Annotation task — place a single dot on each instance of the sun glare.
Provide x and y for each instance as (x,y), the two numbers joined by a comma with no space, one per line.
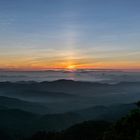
(71,67)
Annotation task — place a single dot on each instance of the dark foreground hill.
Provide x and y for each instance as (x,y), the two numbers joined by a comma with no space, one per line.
(127,128)
(19,122)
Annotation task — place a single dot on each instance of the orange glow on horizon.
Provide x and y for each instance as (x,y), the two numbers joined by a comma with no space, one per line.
(69,68)
(71,65)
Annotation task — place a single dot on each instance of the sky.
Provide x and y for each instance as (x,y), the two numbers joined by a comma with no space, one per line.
(69,34)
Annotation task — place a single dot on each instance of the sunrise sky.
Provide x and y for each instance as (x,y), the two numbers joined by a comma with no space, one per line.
(69,34)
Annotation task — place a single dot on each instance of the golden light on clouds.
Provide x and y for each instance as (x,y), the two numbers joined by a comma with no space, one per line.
(68,59)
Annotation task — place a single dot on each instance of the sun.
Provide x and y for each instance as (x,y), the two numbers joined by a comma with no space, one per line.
(71,67)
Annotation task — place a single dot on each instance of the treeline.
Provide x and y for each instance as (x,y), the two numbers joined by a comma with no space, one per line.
(84,131)
(128,128)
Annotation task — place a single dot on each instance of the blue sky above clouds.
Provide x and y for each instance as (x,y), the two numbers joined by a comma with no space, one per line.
(97,31)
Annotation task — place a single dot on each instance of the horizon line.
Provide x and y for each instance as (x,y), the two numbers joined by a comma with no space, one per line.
(67,70)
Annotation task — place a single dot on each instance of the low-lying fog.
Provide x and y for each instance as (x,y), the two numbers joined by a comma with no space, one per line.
(80,75)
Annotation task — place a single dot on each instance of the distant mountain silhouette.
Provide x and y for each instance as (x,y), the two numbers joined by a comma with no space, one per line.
(13,103)
(65,87)
(30,90)
(70,95)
